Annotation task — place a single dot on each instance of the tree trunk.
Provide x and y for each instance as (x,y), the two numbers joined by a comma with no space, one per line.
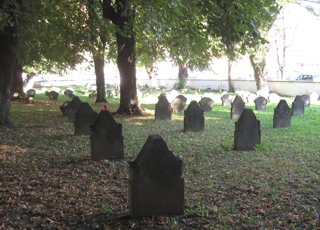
(183,72)
(17,82)
(230,86)
(259,74)
(100,83)
(8,45)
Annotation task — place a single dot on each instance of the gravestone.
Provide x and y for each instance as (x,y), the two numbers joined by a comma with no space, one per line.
(83,119)
(306,99)
(106,138)
(247,131)
(31,93)
(193,118)
(110,93)
(53,95)
(64,108)
(68,93)
(251,97)
(237,106)
(73,108)
(281,116)
(156,186)
(206,104)
(226,99)
(297,106)
(260,103)
(163,109)
(179,103)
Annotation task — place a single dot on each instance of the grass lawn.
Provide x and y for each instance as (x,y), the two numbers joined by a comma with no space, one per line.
(47,180)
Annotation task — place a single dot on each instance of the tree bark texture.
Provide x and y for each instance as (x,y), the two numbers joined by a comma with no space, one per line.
(231,89)
(100,82)
(122,14)
(8,46)
(259,74)
(17,82)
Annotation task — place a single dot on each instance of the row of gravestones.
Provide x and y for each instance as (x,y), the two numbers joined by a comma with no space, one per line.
(153,189)
(158,189)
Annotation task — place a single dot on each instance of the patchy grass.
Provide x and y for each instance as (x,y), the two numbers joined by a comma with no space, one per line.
(49,182)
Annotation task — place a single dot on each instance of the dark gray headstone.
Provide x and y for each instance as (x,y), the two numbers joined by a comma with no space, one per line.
(179,103)
(110,93)
(83,119)
(156,186)
(282,116)
(206,104)
(106,138)
(297,106)
(193,118)
(226,99)
(53,95)
(68,93)
(64,108)
(73,108)
(237,106)
(260,103)
(31,93)
(247,131)
(163,109)
(306,99)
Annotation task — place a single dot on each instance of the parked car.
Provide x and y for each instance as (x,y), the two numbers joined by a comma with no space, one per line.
(305,77)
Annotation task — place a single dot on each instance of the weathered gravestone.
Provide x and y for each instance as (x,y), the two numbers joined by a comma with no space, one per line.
(281,116)
(163,109)
(260,103)
(206,104)
(73,108)
(156,186)
(31,93)
(179,103)
(237,106)
(193,118)
(106,138)
(53,95)
(247,131)
(83,119)
(68,93)
(110,93)
(297,106)
(64,108)
(306,99)
(226,99)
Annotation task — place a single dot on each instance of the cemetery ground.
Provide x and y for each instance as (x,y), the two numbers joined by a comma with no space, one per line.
(48,180)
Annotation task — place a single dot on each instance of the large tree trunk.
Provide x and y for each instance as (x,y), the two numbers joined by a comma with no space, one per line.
(230,86)
(100,83)
(183,72)
(8,45)
(17,82)
(259,74)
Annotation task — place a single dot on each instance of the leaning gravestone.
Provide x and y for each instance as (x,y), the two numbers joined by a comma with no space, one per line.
(73,108)
(247,131)
(226,99)
(193,118)
(179,103)
(260,103)
(237,106)
(64,108)
(297,106)
(163,109)
(306,99)
(106,138)
(206,104)
(282,116)
(156,186)
(83,119)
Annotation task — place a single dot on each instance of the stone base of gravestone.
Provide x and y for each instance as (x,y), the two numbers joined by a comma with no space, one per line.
(106,138)
(193,118)
(156,186)
(247,131)
(282,116)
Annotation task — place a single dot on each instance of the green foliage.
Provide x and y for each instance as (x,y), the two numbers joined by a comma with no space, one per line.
(181,83)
